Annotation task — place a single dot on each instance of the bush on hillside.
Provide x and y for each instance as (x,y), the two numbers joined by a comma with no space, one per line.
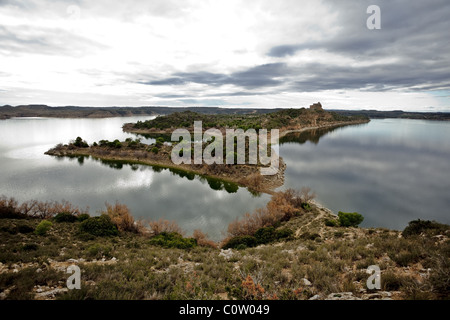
(43,227)
(65,217)
(99,226)
(417,227)
(349,219)
(173,240)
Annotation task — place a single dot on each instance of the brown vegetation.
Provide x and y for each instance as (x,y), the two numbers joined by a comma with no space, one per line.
(39,209)
(282,207)
(121,216)
(162,225)
(202,239)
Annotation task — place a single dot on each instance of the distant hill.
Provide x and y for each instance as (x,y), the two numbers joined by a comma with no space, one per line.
(38,110)
(397,114)
(106,112)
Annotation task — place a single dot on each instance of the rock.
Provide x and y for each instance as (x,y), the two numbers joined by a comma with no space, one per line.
(342,296)
(306,282)
(73,260)
(316,106)
(382,295)
(51,293)
(38,270)
(315,297)
(226,254)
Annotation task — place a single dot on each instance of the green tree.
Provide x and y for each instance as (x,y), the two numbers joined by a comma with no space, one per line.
(350,219)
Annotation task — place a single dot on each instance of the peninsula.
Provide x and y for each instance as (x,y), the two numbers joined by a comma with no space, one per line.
(159,153)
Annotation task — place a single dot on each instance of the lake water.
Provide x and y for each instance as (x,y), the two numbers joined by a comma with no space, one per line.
(391,171)
(26,173)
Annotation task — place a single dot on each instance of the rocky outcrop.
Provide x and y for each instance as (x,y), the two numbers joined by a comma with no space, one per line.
(316,106)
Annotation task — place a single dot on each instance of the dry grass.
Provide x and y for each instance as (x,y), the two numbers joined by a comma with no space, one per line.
(282,207)
(121,216)
(162,225)
(202,239)
(40,209)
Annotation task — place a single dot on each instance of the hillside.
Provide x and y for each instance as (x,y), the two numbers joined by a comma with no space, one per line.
(316,262)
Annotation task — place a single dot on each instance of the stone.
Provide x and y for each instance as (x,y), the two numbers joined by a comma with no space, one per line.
(342,296)
(382,295)
(315,297)
(306,282)
(226,254)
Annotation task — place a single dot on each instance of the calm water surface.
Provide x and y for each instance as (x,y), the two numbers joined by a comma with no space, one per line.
(26,173)
(391,171)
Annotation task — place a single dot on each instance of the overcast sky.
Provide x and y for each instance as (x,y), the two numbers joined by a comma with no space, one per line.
(226,53)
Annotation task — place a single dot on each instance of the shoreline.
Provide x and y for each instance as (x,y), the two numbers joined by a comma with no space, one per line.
(267,185)
(247,176)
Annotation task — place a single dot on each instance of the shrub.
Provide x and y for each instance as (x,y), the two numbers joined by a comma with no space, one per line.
(25,228)
(120,215)
(65,217)
(173,240)
(284,234)
(350,219)
(331,223)
(202,239)
(417,227)
(99,226)
(440,276)
(241,242)
(98,251)
(80,143)
(8,209)
(392,282)
(160,226)
(265,235)
(30,247)
(155,150)
(83,216)
(43,227)
(270,234)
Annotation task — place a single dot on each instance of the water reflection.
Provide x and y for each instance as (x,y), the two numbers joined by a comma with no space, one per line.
(194,202)
(214,183)
(313,135)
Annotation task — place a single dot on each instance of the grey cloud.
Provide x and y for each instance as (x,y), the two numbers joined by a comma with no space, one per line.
(255,77)
(414,33)
(27,39)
